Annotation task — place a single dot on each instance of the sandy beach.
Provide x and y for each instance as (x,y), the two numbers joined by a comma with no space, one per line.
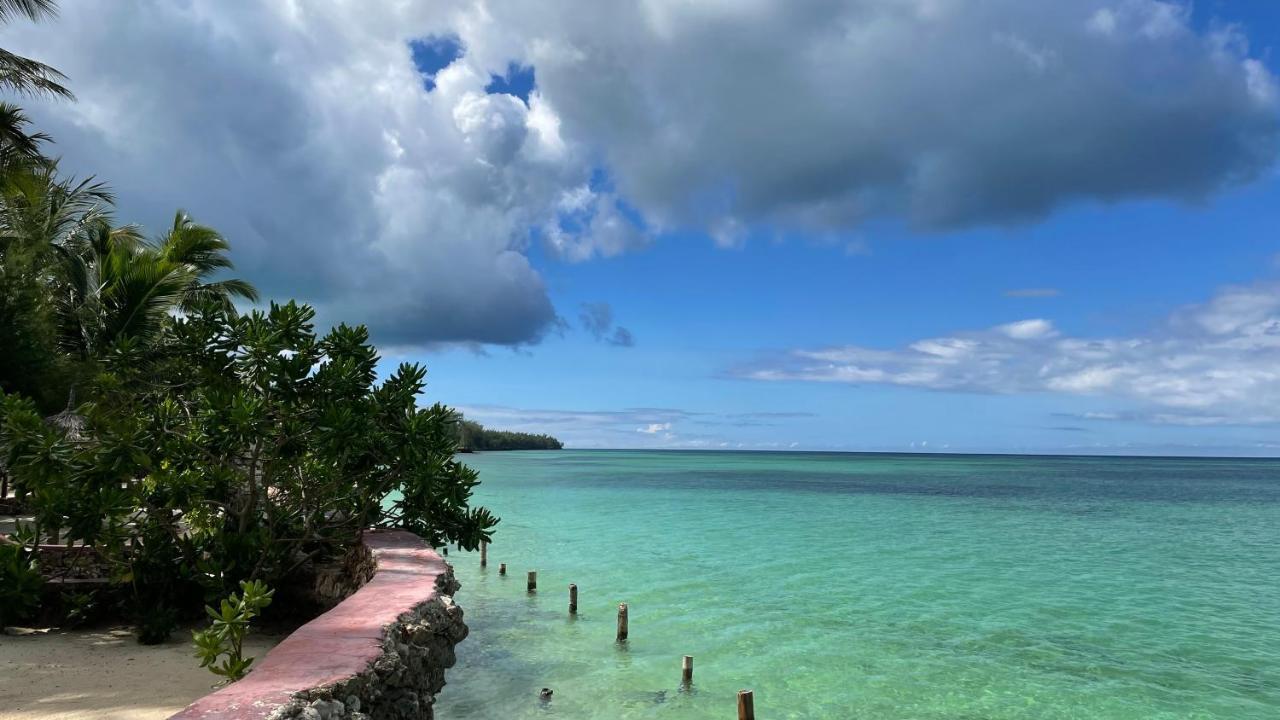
(102,674)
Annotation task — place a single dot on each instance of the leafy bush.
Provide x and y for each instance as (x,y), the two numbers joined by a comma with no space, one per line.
(20,585)
(212,447)
(240,447)
(225,636)
(154,625)
(79,608)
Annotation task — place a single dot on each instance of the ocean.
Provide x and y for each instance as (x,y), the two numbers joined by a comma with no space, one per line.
(873,586)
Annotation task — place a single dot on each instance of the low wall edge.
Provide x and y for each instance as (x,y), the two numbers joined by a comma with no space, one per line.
(380,653)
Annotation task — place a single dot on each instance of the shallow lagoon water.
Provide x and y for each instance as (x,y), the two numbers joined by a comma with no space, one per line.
(874,586)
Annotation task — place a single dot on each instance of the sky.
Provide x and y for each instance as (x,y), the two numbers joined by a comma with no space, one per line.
(885,225)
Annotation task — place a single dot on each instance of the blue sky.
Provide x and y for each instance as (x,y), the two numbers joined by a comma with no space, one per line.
(928,225)
(698,311)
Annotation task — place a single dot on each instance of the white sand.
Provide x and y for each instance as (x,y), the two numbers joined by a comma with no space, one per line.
(103,674)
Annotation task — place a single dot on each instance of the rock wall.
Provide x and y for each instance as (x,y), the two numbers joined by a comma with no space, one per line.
(379,654)
(338,580)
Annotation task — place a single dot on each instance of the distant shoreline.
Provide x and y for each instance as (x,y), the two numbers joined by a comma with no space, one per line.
(471,451)
(900,453)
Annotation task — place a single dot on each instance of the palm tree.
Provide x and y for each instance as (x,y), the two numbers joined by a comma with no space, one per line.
(116,286)
(40,213)
(87,270)
(201,252)
(24,75)
(107,283)
(40,218)
(18,146)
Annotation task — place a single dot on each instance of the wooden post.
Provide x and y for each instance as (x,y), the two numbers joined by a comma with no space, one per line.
(746,706)
(686,670)
(622,622)
(573,599)
(533,581)
(502,569)
(484,553)
(445,551)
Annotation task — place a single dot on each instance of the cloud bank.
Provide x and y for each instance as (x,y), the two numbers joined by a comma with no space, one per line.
(1210,364)
(346,176)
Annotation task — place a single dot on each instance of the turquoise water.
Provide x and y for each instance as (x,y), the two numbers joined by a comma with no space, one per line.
(874,586)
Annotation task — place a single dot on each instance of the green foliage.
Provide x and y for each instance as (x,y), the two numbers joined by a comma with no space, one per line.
(225,636)
(79,608)
(20,584)
(30,363)
(240,447)
(210,447)
(21,74)
(474,436)
(156,625)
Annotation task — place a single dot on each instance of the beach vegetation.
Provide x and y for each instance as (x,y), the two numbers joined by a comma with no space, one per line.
(229,447)
(229,624)
(187,438)
(474,436)
(20,584)
(24,75)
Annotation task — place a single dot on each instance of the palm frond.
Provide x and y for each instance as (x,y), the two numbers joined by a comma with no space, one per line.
(15,141)
(140,289)
(198,246)
(25,76)
(202,251)
(30,9)
(220,294)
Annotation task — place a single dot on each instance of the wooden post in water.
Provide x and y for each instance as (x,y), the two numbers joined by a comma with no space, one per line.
(502,568)
(484,553)
(573,599)
(746,706)
(686,670)
(533,581)
(445,551)
(622,622)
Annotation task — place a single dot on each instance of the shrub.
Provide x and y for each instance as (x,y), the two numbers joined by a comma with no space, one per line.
(240,447)
(20,584)
(225,636)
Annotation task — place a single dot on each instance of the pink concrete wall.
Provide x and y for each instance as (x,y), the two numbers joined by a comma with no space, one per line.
(333,658)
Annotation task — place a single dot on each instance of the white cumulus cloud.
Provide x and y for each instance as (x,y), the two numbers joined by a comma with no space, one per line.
(1214,363)
(306,134)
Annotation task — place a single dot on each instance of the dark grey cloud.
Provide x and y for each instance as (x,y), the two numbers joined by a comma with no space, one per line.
(947,113)
(597,319)
(304,131)
(305,135)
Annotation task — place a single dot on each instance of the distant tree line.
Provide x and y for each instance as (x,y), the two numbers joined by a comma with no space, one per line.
(474,436)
